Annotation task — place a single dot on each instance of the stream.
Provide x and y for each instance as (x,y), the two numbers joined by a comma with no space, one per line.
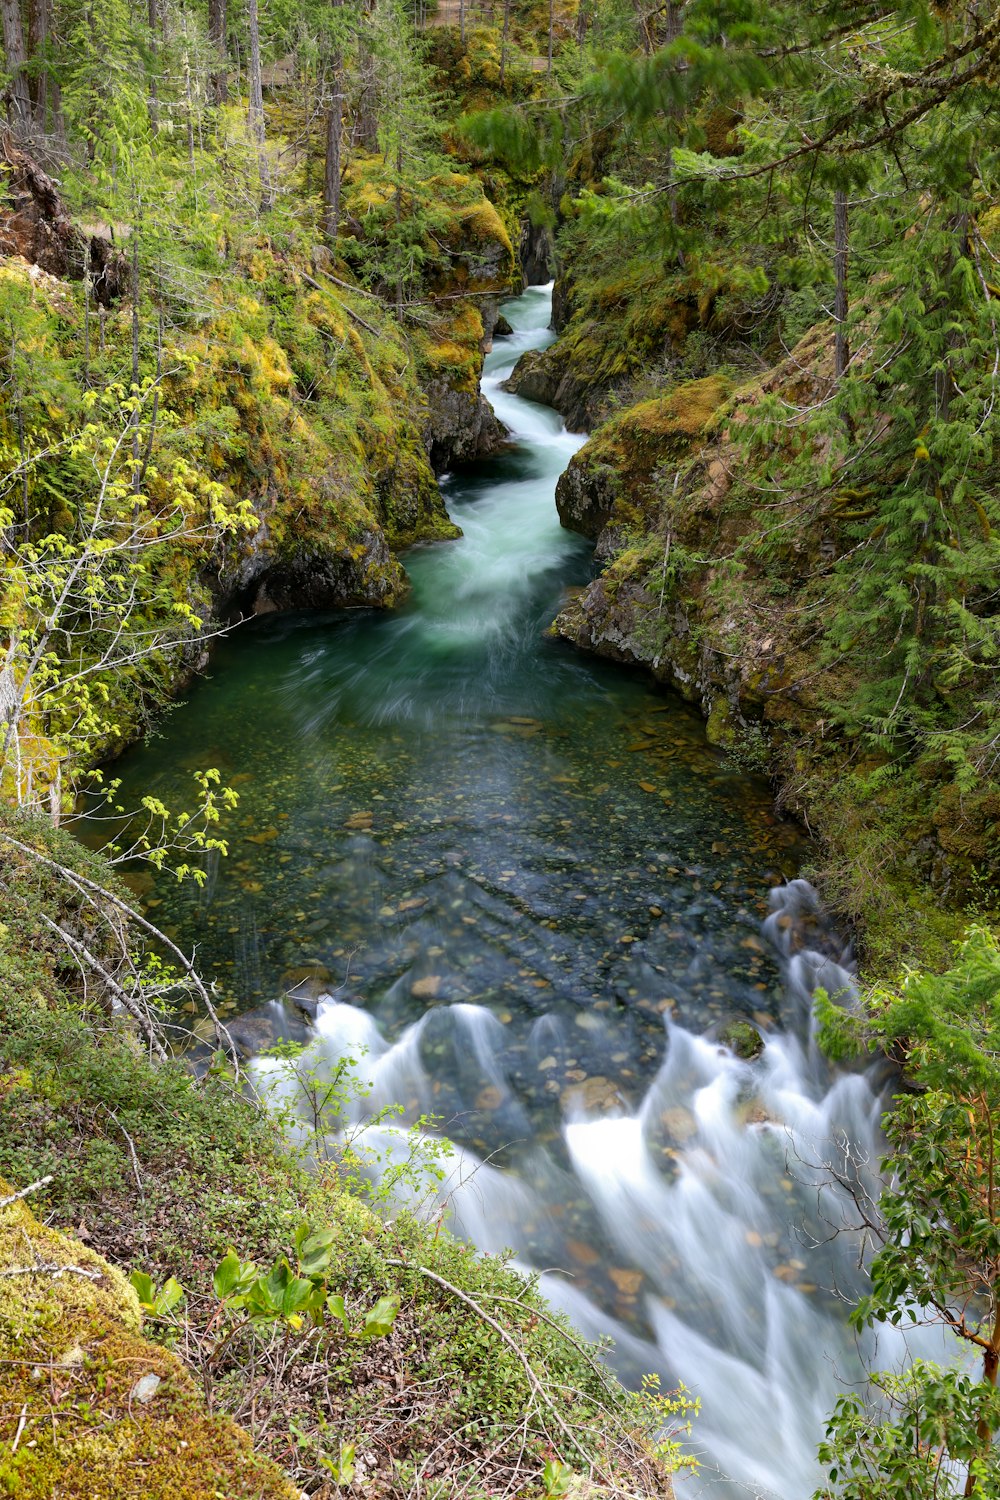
(518,888)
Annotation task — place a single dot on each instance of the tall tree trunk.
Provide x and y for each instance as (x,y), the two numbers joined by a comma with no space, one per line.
(461,21)
(673,31)
(134,419)
(366,120)
(219,79)
(38,86)
(86,314)
(582,22)
(255,114)
(331,171)
(399,221)
(503,41)
(548,67)
(842,350)
(188,97)
(18,98)
(154,64)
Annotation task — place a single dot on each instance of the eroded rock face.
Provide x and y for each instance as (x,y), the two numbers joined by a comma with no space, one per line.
(460,426)
(316,577)
(536,253)
(585,498)
(35,224)
(541,375)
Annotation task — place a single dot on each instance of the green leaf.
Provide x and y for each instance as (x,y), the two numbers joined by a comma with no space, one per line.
(227,1274)
(379,1320)
(142,1284)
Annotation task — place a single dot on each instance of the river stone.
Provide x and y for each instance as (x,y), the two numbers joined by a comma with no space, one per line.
(742,1038)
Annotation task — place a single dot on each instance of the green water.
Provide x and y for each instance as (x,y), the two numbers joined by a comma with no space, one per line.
(442,795)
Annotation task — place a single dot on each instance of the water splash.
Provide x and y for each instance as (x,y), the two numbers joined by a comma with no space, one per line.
(704,1229)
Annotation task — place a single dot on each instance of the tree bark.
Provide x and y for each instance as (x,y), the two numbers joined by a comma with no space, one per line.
(219,78)
(331,172)
(18,97)
(38,86)
(366,120)
(842,350)
(154,64)
(255,113)
(548,67)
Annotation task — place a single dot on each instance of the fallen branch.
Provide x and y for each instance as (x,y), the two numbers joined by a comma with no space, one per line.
(53,1269)
(81,951)
(23,1192)
(83,884)
(343,305)
(512,1344)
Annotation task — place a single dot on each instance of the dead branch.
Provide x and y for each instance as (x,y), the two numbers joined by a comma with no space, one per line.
(23,1192)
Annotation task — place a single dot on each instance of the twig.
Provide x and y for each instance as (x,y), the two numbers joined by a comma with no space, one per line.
(80,950)
(53,1269)
(22,1423)
(80,882)
(346,285)
(131,1147)
(23,1192)
(511,1343)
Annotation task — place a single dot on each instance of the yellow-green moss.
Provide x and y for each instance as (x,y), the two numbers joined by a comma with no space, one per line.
(73,1355)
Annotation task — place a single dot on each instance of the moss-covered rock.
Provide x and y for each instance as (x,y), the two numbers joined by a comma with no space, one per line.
(608,481)
(92,1409)
(703,589)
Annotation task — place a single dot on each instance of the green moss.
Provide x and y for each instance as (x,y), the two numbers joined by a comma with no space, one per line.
(73,1357)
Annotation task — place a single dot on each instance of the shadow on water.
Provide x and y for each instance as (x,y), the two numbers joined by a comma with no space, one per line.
(524,889)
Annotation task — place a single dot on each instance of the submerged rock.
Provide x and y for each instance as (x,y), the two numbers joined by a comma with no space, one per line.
(742,1038)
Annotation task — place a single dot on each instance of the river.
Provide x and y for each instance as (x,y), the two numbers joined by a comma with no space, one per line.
(520,890)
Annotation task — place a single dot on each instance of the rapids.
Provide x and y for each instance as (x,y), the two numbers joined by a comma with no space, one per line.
(519,890)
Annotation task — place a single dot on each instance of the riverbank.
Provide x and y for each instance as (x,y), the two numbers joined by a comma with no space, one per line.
(728,601)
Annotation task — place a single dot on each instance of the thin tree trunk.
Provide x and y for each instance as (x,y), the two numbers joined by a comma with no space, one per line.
(134,419)
(842,351)
(219,79)
(86,314)
(673,31)
(399,220)
(582,22)
(548,68)
(188,98)
(38,86)
(366,121)
(154,65)
(18,98)
(255,113)
(461,21)
(503,41)
(331,171)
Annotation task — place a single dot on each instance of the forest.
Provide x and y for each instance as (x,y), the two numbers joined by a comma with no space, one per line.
(509,810)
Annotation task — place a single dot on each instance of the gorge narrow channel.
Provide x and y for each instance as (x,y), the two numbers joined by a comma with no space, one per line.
(519,888)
